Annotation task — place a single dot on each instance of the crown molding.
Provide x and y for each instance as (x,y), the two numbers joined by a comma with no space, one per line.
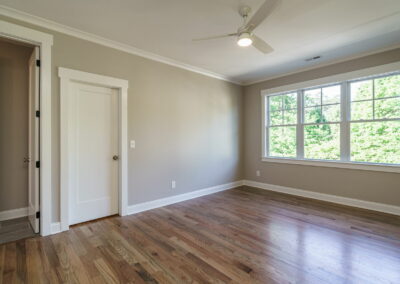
(54,26)
(331,62)
(50,25)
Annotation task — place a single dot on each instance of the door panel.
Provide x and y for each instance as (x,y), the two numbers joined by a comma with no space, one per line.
(33,172)
(94,192)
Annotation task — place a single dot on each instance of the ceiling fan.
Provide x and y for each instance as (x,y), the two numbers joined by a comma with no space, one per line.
(245,35)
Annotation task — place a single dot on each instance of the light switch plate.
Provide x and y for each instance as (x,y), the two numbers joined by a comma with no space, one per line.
(133,144)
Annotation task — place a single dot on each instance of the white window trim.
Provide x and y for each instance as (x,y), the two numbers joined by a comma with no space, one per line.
(68,76)
(340,79)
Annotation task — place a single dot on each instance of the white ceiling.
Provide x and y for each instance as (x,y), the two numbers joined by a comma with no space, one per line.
(297,29)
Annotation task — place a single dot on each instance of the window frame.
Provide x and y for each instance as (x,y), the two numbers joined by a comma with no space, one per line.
(280,125)
(344,80)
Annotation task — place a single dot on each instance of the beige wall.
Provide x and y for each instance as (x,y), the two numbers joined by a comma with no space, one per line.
(14,84)
(201,131)
(365,185)
(187,126)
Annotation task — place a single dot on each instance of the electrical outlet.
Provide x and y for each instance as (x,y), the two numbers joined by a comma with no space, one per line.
(133,144)
(173,184)
(258,173)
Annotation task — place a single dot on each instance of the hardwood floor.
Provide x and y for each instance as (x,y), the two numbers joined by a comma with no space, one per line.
(15,229)
(242,235)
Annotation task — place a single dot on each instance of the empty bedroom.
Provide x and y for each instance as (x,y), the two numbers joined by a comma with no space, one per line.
(200,141)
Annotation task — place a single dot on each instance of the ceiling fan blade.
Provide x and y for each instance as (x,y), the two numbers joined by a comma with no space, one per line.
(261,45)
(262,13)
(215,37)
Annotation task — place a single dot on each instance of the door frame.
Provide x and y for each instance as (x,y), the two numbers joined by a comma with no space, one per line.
(34,141)
(45,42)
(68,76)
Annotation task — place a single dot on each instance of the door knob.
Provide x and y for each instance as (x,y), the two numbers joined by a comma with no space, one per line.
(115,158)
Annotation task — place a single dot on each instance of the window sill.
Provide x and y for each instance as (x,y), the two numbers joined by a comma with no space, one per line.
(334,164)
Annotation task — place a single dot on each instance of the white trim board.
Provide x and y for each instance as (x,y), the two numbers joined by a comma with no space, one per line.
(133,209)
(45,42)
(348,76)
(322,65)
(13,213)
(55,228)
(336,164)
(51,25)
(68,76)
(44,23)
(380,207)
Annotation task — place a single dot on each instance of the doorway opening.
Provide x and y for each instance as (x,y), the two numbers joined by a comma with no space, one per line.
(19,140)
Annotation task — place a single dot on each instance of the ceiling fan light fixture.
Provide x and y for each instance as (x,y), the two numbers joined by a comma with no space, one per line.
(244,40)
(244,35)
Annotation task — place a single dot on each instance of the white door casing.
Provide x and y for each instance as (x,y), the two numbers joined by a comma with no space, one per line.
(33,148)
(45,42)
(94,138)
(106,88)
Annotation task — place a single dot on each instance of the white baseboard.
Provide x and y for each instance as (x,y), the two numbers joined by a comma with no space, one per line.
(141,207)
(55,228)
(391,209)
(14,213)
(132,209)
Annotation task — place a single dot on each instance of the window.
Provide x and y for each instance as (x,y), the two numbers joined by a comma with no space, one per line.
(282,122)
(322,123)
(352,122)
(375,124)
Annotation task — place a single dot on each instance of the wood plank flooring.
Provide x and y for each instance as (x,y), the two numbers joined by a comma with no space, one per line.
(15,229)
(243,235)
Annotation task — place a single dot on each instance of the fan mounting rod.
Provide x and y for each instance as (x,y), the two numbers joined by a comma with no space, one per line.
(244,11)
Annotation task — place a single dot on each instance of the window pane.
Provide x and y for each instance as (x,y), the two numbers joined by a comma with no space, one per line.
(282,141)
(376,142)
(361,90)
(322,142)
(331,113)
(275,103)
(290,101)
(312,97)
(387,86)
(276,118)
(331,95)
(312,115)
(290,117)
(361,110)
(387,108)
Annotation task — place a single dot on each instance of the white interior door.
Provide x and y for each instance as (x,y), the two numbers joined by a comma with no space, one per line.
(94,159)
(34,123)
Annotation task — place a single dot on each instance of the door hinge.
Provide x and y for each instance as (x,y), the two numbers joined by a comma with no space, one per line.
(37,164)
(38,62)
(38,113)
(38,215)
